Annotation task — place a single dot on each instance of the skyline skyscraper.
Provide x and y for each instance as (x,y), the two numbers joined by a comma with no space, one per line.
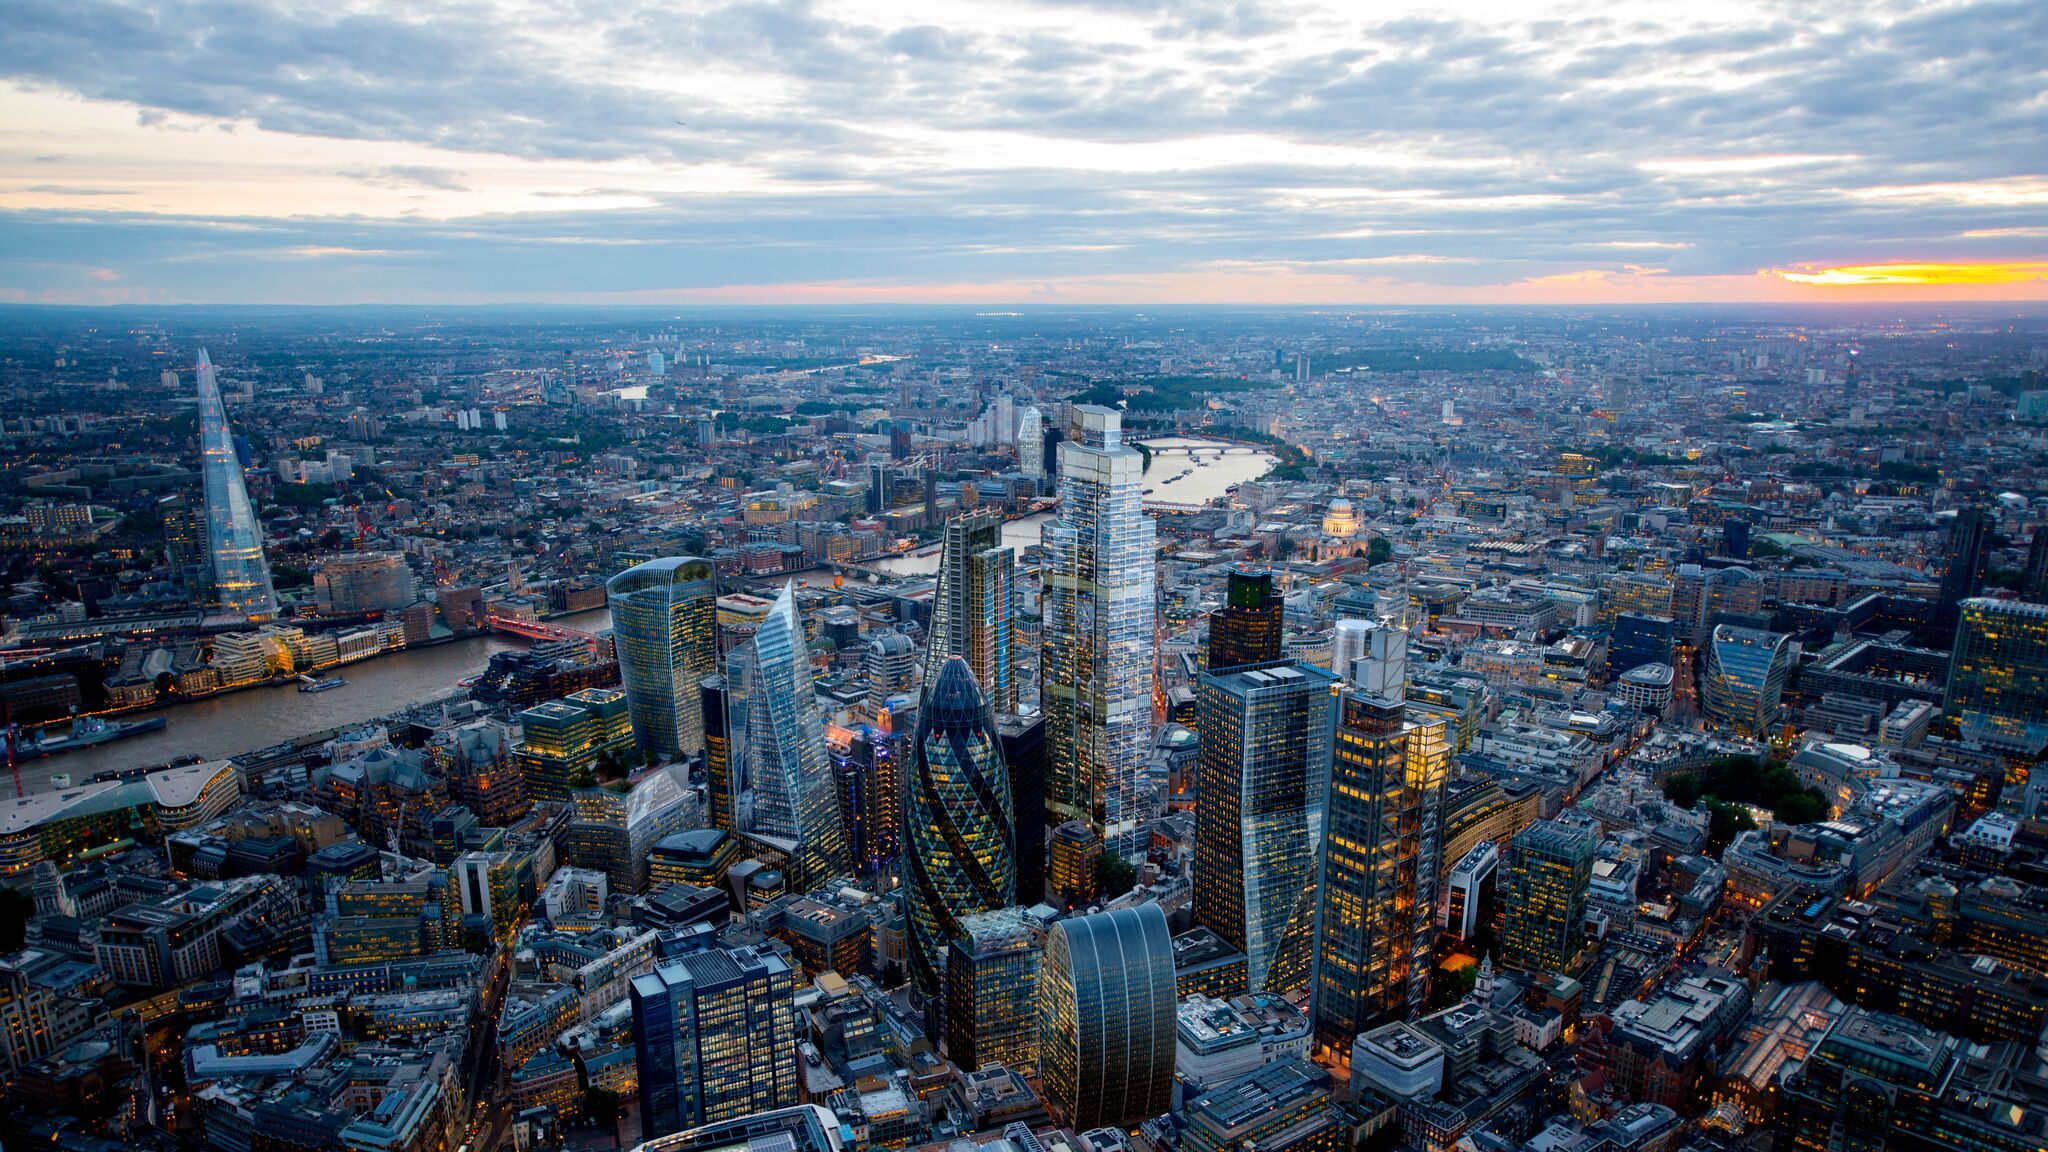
(786,763)
(1744,678)
(234,538)
(665,631)
(714,1035)
(1096,673)
(960,855)
(1263,767)
(721,785)
(1031,443)
(1967,551)
(1544,885)
(972,605)
(1998,673)
(1382,837)
(1106,1018)
(1248,628)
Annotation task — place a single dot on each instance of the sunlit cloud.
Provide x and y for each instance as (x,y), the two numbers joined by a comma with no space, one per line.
(1865,275)
(1730,165)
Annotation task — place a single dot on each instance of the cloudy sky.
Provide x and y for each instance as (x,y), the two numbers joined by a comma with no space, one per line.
(1106,151)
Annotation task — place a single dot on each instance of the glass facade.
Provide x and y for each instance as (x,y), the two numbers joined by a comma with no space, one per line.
(961,855)
(991,1014)
(1544,886)
(562,740)
(714,1036)
(1259,799)
(1098,640)
(1377,896)
(664,627)
(1247,629)
(1744,679)
(786,761)
(1106,1021)
(972,606)
(241,575)
(1998,672)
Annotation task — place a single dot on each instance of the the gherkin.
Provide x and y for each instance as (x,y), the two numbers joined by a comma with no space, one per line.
(960,853)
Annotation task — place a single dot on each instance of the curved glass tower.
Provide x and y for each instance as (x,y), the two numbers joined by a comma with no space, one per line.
(794,800)
(1097,639)
(241,576)
(1106,1018)
(664,627)
(961,856)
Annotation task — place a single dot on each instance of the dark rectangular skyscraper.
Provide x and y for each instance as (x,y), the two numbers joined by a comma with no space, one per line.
(1247,629)
(1969,548)
(1544,886)
(1023,740)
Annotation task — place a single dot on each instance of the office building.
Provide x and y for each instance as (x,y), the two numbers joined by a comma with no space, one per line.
(1880,1083)
(1544,887)
(1744,678)
(664,622)
(1284,1107)
(1023,740)
(721,786)
(786,762)
(1106,1018)
(889,662)
(991,978)
(1469,891)
(1096,670)
(869,784)
(1967,552)
(1998,673)
(1382,837)
(1262,770)
(1247,629)
(972,606)
(714,1035)
(1381,841)
(614,829)
(1639,639)
(358,582)
(563,741)
(1031,443)
(241,574)
(958,856)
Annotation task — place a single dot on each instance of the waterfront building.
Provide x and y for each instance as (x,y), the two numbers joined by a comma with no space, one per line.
(1106,1023)
(1097,637)
(664,628)
(241,574)
(357,582)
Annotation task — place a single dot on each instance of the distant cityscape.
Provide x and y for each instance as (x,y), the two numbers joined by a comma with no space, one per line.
(1582,729)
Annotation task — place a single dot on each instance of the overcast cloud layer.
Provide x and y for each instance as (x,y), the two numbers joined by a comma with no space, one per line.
(1121,150)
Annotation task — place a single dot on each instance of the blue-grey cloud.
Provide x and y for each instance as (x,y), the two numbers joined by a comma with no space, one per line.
(1508,150)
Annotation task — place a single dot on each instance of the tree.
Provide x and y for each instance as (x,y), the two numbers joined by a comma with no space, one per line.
(602,1106)
(15,910)
(1114,875)
(1378,551)
(1682,789)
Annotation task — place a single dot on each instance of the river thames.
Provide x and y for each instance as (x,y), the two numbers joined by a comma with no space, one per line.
(1184,471)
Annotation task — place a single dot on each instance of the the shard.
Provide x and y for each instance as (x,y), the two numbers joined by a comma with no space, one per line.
(241,576)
